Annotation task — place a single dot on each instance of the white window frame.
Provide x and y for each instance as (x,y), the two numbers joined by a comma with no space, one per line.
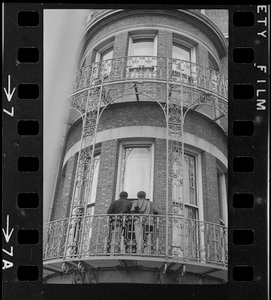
(103,49)
(198,181)
(222,198)
(92,204)
(143,36)
(136,143)
(199,196)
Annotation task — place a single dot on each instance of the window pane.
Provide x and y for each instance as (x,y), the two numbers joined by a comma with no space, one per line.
(136,171)
(180,53)
(95,172)
(184,179)
(107,54)
(220,195)
(142,47)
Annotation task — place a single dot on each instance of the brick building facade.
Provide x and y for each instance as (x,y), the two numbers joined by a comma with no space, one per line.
(152,83)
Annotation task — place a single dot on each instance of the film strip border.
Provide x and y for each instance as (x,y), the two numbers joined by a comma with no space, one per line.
(22,145)
(248,144)
(23,154)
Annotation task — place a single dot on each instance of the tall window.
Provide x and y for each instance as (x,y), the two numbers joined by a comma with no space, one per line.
(181,66)
(222,197)
(214,68)
(104,56)
(135,170)
(185,204)
(142,53)
(93,187)
(184,194)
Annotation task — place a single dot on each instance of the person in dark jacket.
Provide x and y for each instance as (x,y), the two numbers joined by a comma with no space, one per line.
(144,226)
(121,206)
(120,233)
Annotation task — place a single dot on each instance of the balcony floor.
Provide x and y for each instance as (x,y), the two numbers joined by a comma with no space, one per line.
(110,262)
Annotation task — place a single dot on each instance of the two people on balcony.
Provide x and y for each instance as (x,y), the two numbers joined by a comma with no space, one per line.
(134,232)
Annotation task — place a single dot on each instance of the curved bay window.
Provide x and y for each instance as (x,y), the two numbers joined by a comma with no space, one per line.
(135,169)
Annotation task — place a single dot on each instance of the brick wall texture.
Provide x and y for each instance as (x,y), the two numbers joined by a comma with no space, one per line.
(150,114)
(138,114)
(107,177)
(220,17)
(63,195)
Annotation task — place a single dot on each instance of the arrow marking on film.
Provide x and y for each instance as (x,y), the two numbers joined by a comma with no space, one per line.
(7,92)
(7,234)
(8,112)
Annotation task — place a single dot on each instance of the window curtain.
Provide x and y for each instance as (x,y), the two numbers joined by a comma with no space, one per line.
(136,171)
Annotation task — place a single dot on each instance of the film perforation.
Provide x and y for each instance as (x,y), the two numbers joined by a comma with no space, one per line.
(28,273)
(28,91)
(28,127)
(28,236)
(243,200)
(28,55)
(243,91)
(243,273)
(243,164)
(243,55)
(28,164)
(243,128)
(243,237)
(28,18)
(243,18)
(28,200)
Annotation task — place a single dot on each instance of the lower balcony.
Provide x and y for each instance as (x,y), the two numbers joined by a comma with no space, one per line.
(166,244)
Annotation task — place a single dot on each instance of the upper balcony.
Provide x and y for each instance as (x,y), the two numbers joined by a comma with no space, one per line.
(162,79)
(104,240)
(152,69)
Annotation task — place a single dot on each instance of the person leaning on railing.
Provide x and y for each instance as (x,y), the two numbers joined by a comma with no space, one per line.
(143,226)
(118,230)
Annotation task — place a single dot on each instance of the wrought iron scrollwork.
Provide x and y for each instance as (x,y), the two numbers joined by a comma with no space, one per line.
(136,235)
(177,86)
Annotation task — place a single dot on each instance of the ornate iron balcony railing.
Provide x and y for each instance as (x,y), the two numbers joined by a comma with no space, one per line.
(136,235)
(153,69)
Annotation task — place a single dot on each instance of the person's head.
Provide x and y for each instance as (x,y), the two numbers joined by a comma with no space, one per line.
(141,195)
(123,195)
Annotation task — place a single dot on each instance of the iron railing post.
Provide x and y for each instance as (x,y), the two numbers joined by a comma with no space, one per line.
(167,162)
(84,117)
(90,179)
